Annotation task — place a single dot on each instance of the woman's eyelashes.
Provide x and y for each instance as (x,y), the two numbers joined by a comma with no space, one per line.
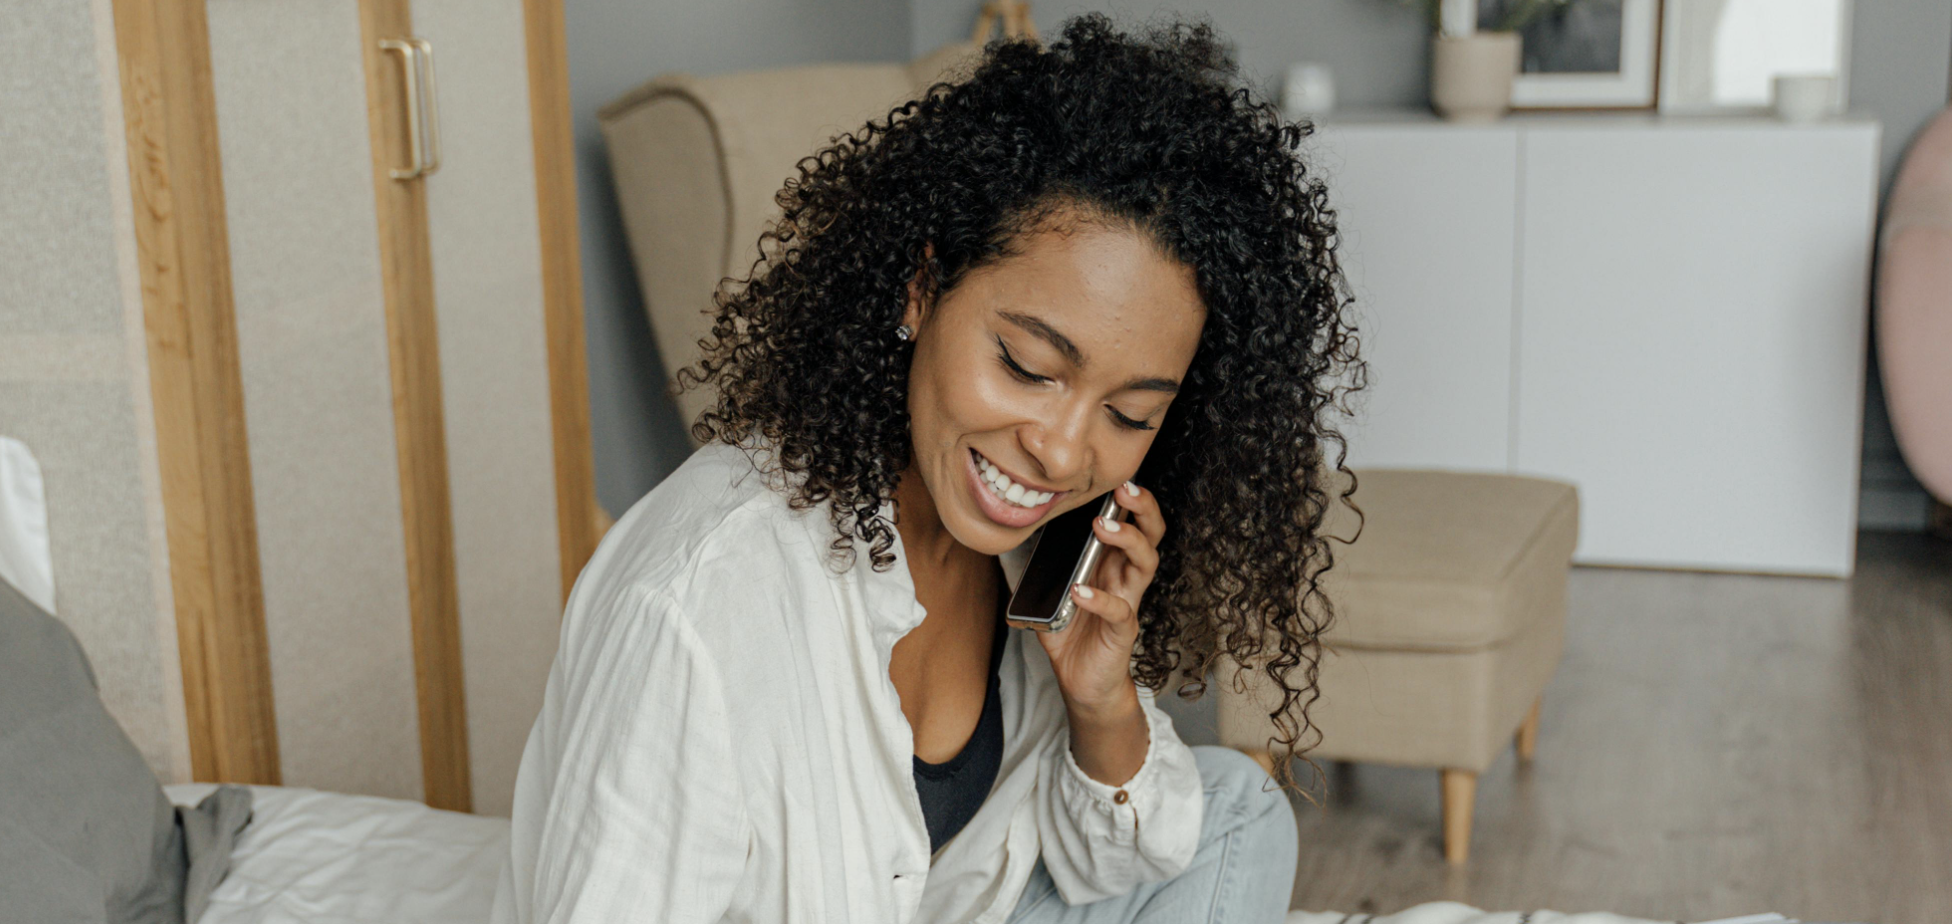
(1028,377)
(1010,363)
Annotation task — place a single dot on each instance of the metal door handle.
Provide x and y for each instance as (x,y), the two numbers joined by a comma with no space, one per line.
(423,113)
(431,87)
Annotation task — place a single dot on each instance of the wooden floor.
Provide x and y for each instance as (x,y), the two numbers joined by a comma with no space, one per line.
(1712,745)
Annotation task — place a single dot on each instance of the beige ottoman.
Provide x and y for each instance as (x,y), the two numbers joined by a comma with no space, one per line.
(1450,618)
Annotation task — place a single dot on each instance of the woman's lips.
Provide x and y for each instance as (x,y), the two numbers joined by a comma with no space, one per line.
(1000,511)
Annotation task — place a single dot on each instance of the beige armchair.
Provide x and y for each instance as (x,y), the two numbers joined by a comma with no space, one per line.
(697,161)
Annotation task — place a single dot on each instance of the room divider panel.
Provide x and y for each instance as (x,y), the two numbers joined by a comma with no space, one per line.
(324,264)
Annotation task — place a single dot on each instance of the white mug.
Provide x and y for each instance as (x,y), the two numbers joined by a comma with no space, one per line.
(1308,91)
(1805,97)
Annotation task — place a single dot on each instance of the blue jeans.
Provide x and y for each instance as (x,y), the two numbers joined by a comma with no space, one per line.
(1243,873)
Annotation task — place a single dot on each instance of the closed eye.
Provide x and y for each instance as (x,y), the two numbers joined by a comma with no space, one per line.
(1010,363)
(1025,375)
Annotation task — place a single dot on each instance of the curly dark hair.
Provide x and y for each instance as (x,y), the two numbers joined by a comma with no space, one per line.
(1154,131)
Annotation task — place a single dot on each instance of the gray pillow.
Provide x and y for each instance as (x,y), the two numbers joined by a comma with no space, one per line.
(86,834)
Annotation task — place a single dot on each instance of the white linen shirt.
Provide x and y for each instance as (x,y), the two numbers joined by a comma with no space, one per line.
(720,741)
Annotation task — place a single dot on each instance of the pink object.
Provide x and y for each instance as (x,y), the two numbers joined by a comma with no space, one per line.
(1914,307)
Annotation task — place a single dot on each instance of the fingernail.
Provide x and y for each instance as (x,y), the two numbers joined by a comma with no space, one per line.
(1111,525)
(1131,489)
(1083,591)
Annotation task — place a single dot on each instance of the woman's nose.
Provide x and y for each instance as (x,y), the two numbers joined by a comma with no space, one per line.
(1059,446)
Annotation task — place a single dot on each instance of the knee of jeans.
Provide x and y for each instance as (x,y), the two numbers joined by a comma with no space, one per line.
(1238,791)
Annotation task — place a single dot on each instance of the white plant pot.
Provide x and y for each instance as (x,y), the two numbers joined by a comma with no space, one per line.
(1471,76)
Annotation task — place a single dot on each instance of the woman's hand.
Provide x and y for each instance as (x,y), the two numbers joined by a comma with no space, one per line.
(1093,656)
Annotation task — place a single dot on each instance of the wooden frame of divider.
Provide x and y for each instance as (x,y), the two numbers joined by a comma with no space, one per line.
(580,521)
(175,167)
(419,420)
(210,517)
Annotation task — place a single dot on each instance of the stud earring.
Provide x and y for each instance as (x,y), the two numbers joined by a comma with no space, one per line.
(903,334)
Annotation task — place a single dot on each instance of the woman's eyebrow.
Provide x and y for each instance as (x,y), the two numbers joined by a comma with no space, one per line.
(1153,384)
(1063,344)
(1048,333)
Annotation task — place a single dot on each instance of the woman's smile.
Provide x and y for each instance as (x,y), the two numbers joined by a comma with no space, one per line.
(1005,500)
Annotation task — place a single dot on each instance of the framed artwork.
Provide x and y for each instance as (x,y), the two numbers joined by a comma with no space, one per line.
(1724,55)
(1585,54)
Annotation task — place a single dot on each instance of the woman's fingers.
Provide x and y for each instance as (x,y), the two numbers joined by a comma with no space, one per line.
(1129,539)
(1145,510)
(1110,607)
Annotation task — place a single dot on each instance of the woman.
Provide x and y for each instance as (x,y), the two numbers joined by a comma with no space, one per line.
(1090,267)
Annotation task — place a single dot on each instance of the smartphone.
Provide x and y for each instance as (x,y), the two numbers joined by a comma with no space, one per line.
(1064,552)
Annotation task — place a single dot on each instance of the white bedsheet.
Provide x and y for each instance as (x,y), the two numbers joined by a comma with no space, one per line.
(311,857)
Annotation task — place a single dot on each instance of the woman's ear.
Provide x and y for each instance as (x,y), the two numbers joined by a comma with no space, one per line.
(920,291)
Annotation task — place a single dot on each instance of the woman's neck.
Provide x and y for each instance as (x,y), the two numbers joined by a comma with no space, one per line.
(929,545)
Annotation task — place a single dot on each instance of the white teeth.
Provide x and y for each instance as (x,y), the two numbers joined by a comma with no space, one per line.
(1007,490)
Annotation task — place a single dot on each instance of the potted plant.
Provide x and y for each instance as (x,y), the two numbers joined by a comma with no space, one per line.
(1472,67)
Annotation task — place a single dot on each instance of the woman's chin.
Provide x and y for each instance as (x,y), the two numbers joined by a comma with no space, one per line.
(980,534)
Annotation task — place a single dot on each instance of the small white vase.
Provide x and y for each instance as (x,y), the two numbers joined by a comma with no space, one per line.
(1471,75)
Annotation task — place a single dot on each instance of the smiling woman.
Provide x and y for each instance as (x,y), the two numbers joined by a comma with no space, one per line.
(1095,268)
(1066,226)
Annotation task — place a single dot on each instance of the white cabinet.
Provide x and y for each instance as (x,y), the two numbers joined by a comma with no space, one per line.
(1426,220)
(1668,312)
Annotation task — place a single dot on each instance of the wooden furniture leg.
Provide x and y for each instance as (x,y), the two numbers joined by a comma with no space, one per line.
(1460,790)
(1528,733)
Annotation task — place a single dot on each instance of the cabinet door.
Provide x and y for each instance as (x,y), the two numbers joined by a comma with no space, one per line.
(398,412)
(291,98)
(1426,218)
(1691,338)
(487,267)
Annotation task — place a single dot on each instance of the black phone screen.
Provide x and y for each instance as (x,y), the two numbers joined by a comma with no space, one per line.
(1047,578)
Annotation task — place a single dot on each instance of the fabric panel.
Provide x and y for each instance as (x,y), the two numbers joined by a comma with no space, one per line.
(494,362)
(318,391)
(74,376)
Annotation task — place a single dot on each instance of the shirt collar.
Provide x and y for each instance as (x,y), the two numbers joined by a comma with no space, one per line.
(893,610)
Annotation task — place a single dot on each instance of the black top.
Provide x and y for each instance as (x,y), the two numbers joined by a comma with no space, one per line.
(953,790)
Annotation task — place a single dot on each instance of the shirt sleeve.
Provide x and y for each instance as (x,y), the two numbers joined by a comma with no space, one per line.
(1101,841)
(635,810)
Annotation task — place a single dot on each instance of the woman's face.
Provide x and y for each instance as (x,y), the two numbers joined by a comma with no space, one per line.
(1053,369)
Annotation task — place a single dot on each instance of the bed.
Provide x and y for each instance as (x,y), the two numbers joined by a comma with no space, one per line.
(88,833)
(311,857)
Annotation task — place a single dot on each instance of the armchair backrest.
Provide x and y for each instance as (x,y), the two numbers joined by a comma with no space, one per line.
(698,160)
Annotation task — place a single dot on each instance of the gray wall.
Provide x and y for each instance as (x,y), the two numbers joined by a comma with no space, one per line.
(1901,62)
(1377,48)
(614,46)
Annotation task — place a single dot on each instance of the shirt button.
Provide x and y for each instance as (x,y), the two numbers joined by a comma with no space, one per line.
(1120,797)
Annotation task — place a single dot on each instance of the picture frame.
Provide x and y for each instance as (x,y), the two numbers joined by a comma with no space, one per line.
(1592,55)
(1720,56)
